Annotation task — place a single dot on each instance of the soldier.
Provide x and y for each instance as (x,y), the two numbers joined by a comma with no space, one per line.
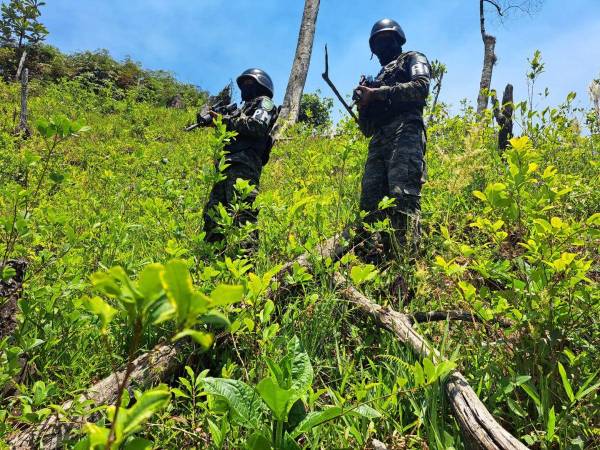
(249,151)
(391,113)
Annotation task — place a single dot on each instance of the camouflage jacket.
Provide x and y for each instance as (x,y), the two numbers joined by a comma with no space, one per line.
(253,124)
(403,86)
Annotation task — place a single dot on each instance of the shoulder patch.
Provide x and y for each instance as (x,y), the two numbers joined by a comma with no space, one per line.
(267,104)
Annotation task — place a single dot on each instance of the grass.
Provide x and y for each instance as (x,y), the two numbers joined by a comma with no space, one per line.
(131,191)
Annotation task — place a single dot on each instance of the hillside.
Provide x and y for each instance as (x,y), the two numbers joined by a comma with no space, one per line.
(510,236)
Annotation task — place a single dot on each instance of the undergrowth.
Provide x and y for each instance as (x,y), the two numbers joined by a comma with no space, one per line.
(105,200)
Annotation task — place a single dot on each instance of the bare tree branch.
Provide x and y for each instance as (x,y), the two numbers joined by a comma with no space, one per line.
(495,5)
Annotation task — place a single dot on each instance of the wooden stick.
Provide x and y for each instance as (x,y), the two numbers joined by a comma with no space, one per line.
(480,429)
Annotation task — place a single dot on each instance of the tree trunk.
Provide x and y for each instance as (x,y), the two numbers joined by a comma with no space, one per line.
(23,127)
(21,64)
(489,59)
(504,116)
(437,88)
(293,94)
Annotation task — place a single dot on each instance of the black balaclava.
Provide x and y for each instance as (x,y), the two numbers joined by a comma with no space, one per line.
(386,47)
(250,90)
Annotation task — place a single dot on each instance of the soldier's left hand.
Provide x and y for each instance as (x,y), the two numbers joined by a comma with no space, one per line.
(365,95)
(213,115)
(368,95)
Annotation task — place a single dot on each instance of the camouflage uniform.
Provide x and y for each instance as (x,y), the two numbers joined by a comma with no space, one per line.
(246,155)
(395,164)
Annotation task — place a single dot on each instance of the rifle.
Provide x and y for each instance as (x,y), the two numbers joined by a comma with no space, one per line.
(367,81)
(221,104)
(325,76)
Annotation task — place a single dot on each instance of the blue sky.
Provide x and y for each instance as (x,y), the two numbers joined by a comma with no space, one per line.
(207,42)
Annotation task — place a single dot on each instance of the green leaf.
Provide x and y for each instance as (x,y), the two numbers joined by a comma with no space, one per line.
(480,195)
(584,389)
(531,391)
(365,411)
(468,290)
(177,283)
(138,444)
(224,294)
(418,374)
(566,383)
(594,219)
(149,402)
(204,339)
(515,408)
(550,426)
(216,319)
(44,128)
(97,435)
(150,285)
(316,418)
(258,441)
(556,222)
(278,400)
(302,370)
(244,402)
(361,273)
(429,370)
(199,304)
(289,443)
(99,307)
(444,368)
(7,272)
(105,283)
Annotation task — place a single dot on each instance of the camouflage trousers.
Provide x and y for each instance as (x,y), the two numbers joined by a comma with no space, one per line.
(395,168)
(224,192)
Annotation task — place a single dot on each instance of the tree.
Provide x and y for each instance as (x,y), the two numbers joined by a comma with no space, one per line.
(594,115)
(503,113)
(293,94)
(315,110)
(20,27)
(438,70)
(489,42)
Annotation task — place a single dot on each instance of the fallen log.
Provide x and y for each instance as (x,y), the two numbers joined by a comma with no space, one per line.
(480,429)
(149,368)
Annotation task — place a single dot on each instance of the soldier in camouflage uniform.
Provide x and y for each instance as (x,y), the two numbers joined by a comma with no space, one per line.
(249,151)
(391,113)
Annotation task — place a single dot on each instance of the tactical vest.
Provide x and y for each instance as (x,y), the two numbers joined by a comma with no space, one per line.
(257,148)
(398,71)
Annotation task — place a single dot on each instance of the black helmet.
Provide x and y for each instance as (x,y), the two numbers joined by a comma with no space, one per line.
(260,76)
(387,25)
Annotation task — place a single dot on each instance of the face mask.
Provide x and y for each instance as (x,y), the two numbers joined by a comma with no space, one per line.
(249,92)
(386,48)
